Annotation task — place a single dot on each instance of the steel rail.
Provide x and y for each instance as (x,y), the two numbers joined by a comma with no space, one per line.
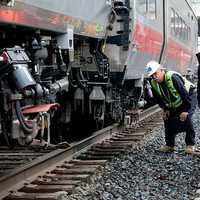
(29,172)
(45,163)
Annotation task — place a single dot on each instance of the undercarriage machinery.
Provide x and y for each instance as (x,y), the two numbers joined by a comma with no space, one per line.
(68,67)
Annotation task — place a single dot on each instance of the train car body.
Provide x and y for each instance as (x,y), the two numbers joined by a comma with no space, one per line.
(87,19)
(164,31)
(78,65)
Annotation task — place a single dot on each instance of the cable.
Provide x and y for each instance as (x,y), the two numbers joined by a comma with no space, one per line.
(26,127)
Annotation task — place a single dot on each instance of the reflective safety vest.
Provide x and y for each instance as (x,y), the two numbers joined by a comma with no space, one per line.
(171,96)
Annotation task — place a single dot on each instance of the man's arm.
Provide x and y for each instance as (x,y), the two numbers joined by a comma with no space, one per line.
(179,85)
(198,81)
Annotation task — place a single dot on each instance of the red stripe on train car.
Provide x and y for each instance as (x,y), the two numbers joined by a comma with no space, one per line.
(178,53)
(150,41)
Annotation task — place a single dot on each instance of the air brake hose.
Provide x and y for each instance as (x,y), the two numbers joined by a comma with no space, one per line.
(26,127)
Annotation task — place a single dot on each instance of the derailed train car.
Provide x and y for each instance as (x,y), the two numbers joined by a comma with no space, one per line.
(74,66)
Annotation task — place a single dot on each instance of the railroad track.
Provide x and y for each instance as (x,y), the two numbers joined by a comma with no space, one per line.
(58,172)
(10,159)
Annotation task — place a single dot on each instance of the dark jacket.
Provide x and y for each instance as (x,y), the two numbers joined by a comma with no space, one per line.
(198,82)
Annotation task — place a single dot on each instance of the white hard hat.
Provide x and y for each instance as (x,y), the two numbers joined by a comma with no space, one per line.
(152,67)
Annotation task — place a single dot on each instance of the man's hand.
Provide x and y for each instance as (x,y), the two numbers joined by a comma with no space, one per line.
(183,116)
(165,115)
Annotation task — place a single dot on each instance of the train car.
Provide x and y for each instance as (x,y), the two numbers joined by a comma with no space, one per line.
(164,31)
(72,67)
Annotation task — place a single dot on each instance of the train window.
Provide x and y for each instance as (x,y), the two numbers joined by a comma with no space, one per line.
(189,33)
(178,27)
(142,6)
(151,9)
(176,19)
(184,31)
(148,8)
(172,23)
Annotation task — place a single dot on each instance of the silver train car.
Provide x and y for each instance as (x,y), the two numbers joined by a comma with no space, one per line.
(70,67)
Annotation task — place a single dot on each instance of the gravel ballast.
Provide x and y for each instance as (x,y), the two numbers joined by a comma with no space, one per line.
(144,173)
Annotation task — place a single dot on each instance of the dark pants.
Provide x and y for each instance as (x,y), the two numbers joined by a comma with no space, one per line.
(173,126)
